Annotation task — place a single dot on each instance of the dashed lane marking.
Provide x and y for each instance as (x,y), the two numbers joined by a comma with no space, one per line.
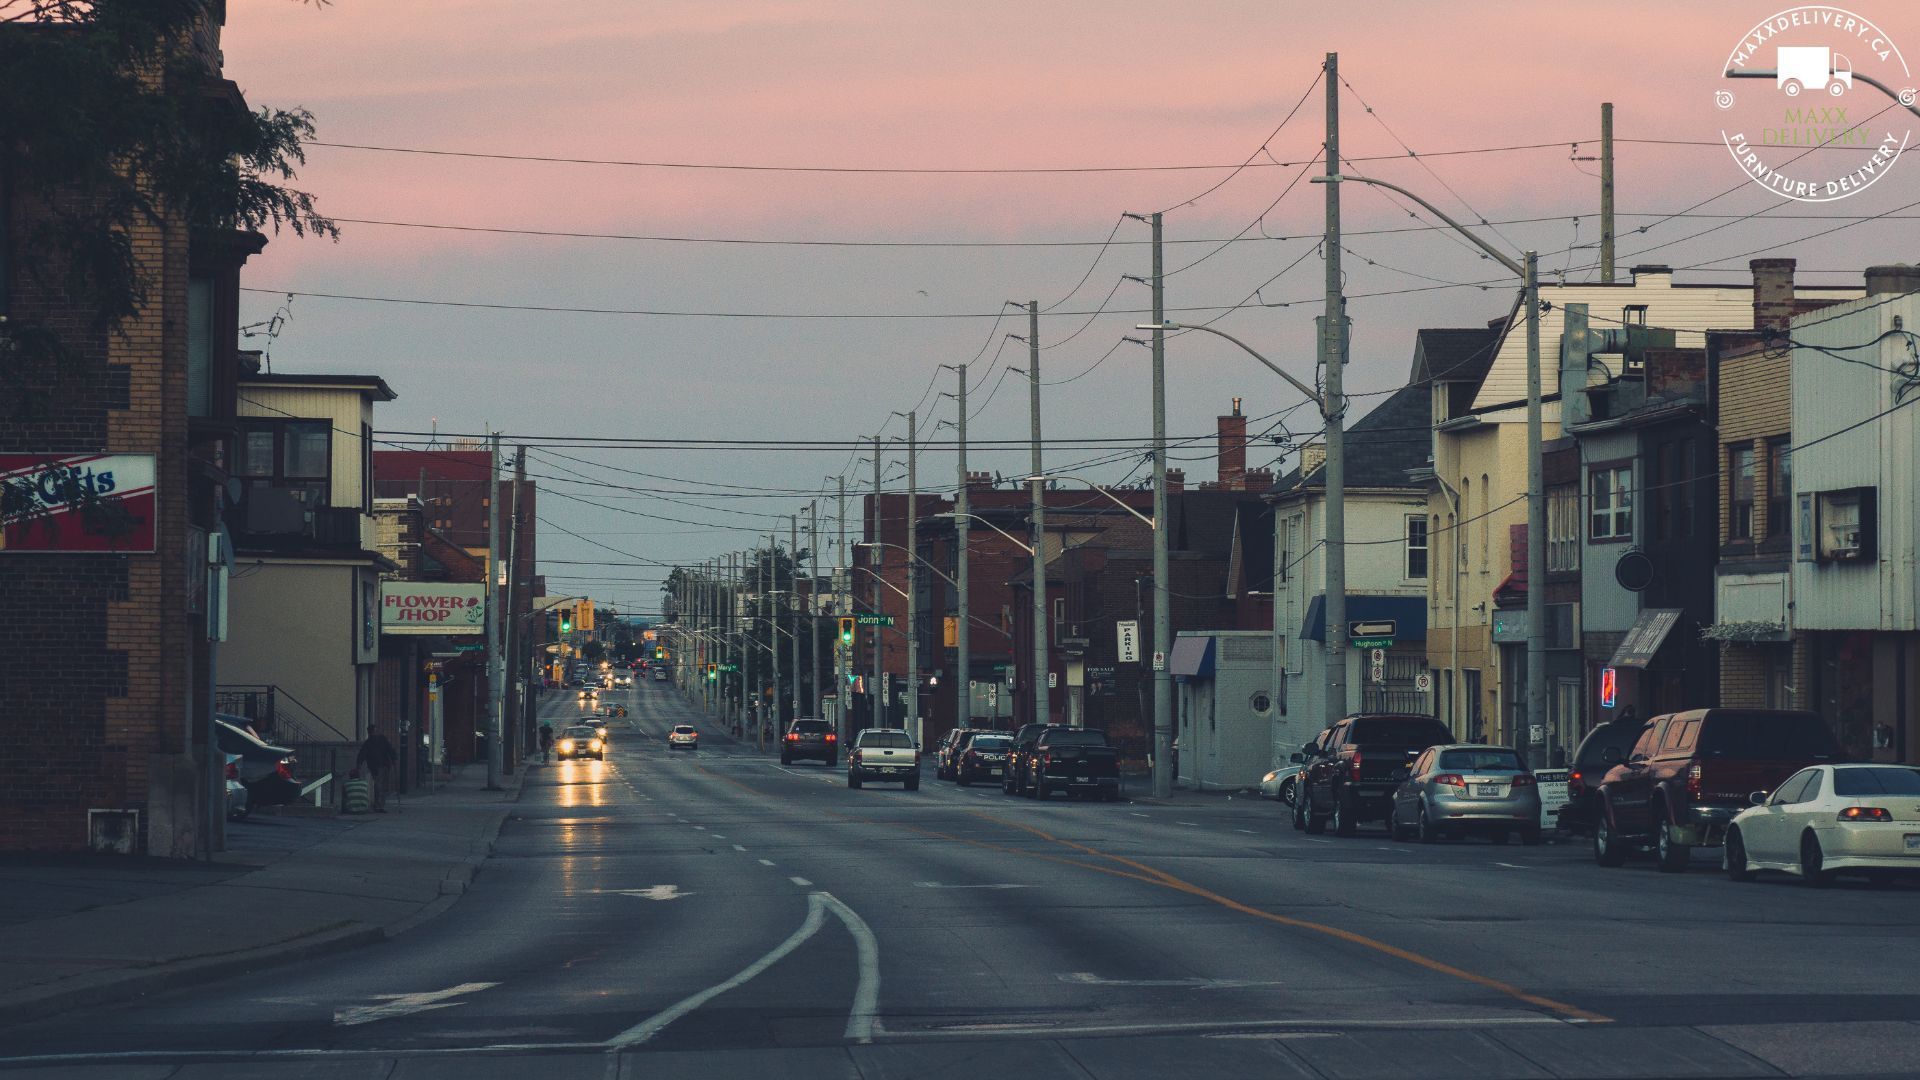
(800,881)
(765,862)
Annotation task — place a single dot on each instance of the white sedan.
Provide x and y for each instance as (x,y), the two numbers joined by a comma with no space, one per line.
(1831,819)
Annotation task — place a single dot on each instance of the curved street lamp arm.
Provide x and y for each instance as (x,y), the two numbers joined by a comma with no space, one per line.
(1499,256)
(1911,106)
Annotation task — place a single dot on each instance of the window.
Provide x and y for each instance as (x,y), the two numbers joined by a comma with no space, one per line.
(1682,734)
(1059,617)
(1612,495)
(1563,528)
(1739,492)
(1789,792)
(289,455)
(1486,525)
(200,374)
(1846,525)
(1416,547)
(1779,488)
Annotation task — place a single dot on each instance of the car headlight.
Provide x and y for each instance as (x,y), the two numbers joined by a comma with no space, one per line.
(597,744)
(566,744)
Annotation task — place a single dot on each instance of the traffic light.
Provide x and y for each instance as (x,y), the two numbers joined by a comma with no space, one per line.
(659,653)
(846,632)
(566,624)
(713,672)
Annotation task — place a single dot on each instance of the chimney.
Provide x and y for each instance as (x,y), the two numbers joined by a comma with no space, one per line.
(1896,280)
(979,481)
(1312,456)
(1259,480)
(1176,480)
(1233,449)
(1772,293)
(1653,275)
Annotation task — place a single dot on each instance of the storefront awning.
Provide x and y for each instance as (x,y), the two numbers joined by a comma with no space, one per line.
(1192,657)
(1650,629)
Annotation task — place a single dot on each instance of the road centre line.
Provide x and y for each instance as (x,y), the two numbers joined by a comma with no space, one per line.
(766,862)
(1249,832)
(800,881)
(737,847)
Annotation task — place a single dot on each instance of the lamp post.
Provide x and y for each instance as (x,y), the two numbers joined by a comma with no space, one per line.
(1527,269)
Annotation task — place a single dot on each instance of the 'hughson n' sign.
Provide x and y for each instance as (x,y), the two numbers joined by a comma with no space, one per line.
(76,503)
(414,607)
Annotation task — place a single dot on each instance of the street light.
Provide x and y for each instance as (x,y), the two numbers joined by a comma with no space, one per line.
(1012,539)
(1117,501)
(1527,268)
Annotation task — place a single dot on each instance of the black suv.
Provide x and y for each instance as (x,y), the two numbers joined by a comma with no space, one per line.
(1604,745)
(810,739)
(1357,767)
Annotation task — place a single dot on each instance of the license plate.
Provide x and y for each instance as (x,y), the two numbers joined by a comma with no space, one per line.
(1487,791)
(1913,841)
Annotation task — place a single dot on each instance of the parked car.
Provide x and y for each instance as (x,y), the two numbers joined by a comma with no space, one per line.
(1019,758)
(983,757)
(263,769)
(1313,748)
(1280,784)
(580,741)
(884,754)
(1690,773)
(1358,766)
(1078,761)
(810,739)
(683,735)
(946,756)
(1829,820)
(1466,788)
(1590,766)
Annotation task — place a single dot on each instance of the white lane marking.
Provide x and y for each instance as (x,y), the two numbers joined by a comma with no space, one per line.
(1249,832)
(800,881)
(1001,1030)
(1136,813)
(864,1019)
(392,1005)
(655,1024)
(766,862)
(1088,978)
(1513,866)
(737,847)
(702,828)
(1315,840)
(1195,824)
(655,892)
(937,885)
(717,836)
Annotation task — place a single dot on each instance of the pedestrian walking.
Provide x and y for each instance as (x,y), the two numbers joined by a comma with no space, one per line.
(377,757)
(546,741)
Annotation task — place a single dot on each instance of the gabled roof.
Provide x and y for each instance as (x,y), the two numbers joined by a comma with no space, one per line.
(1383,446)
(1454,354)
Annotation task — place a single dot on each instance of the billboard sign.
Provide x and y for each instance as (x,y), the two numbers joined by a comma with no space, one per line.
(421,607)
(79,503)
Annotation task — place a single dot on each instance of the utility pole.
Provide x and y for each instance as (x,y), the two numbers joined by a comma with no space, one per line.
(813,606)
(516,661)
(1333,357)
(874,695)
(963,659)
(1162,598)
(770,587)
(1536,534)
(913,577)
(1606,192)
(792,606)
(494,666)
(1041,712)
(843,597)
(737,648)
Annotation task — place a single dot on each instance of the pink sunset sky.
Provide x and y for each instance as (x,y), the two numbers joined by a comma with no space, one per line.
(982,84)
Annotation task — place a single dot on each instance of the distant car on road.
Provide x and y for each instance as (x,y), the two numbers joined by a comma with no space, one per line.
(982,757)
(810,739)
(1828,820)
(580,741)
(1466,787)
(1357,767)
(683,735)
(886,754)
(1281,784)
(659,674)
(1078,761)
(946,756)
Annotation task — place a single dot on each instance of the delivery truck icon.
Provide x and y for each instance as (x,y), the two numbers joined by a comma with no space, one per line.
(1811,67)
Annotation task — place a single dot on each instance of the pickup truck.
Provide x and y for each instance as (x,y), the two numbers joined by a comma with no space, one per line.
(1074,760)
(1019,756)
(1356,767)
(1690,773)
(884,754)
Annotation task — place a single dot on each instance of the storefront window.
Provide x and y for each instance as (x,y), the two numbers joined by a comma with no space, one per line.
(1843,670)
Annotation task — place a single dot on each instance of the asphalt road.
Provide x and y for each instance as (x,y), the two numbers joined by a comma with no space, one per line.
(715,914)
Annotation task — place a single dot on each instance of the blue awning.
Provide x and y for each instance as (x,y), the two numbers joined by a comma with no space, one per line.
(1192,658)
(1408,612)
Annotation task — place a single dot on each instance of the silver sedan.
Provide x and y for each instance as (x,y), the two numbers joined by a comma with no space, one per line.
(1461,788)
(1280,784)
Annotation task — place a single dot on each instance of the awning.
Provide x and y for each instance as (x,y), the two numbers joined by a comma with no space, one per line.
(1408,613)
(1649,630)
(1192,657)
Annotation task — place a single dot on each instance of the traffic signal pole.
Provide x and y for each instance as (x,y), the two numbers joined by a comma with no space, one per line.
(963,659)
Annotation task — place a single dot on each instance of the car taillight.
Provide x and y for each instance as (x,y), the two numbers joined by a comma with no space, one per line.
(1356,764)
(233,770)
(831,737)
(1865,813)
(1450,780)
(1576,784)
(1693,781)
(793,736)
(1523,780)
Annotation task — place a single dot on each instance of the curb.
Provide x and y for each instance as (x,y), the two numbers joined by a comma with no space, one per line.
(109,988)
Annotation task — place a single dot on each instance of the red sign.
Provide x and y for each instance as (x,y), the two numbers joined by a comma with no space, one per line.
(77,503)
(1609,688)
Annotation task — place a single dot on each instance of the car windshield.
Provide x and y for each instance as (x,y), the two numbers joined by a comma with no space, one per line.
(1481,759)
(991,742)
(1077,738)
(812,727)
(1767,737)
(1403,732)
(1876,780)
(891,739)
(581,733)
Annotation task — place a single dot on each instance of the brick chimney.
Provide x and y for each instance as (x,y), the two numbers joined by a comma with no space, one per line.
(1895,280)
(1176,480)
(1259,479)
(1772,293)
(1233,450)
(979,481)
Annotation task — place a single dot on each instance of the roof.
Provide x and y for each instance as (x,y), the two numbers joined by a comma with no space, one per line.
(1397,436)
(1454,354)
(372,383)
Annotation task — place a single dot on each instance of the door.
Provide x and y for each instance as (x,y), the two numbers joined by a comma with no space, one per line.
(1321,769)
(1406,799)
(1768,835)
(1628,794)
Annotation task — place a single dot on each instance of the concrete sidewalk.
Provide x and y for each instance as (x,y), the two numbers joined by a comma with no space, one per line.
(82,930)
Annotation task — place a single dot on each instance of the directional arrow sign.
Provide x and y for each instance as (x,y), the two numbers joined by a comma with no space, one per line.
(1373,628)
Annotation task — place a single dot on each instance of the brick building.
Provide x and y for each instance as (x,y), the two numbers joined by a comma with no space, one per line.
(107,694)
